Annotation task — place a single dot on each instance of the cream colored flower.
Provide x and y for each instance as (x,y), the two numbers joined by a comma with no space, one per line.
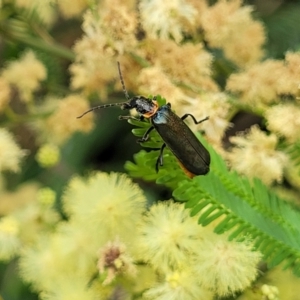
(63,123)
(163,19)
(10,152)
(284,119)
(255,155)
(229,25)
(26,74)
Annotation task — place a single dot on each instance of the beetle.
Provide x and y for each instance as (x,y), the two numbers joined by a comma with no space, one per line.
(193,157)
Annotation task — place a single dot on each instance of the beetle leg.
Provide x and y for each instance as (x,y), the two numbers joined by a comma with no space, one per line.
(160,157)
(194,119)
(145,136)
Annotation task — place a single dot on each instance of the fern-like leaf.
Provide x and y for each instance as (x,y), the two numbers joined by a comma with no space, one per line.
(244,208)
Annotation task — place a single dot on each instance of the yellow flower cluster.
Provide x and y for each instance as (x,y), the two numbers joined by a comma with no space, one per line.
(109,233)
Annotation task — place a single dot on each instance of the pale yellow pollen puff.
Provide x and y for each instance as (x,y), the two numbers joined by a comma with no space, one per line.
(257,85)
(46,197)
(162,19)
(226,267)
(229,25)
(72,8)
(26,74)
(63,123)
(179,285)
(169,236)
(255,155)
(9,240)
(48,155)
(10,153)
(284,119)
(153,81)
(270,292)
(4,93)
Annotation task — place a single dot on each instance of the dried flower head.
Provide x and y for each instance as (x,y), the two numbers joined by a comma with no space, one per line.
(162,19)
(63,123)
(229,25)
(284,119)
(114,260)
(10,152)
(26,74)
(255,155)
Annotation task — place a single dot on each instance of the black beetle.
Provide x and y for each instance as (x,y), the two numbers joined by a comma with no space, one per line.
(191,154)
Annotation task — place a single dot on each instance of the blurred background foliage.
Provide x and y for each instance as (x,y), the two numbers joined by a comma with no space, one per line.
(111,142)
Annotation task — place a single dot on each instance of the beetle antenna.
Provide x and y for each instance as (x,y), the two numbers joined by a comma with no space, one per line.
(123,84)
(101,106)
(112,104)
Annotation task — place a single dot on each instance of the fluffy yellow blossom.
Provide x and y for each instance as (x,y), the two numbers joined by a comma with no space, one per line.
(72,8)
(115,205)
(46,197)
(63,122)
(26,74)
(255,155)
(179,285)
(257,85)
(163,19)
(169,236)
(4,93)
(10,152)
(229,25)
(9,240)
(284,119)
(188,64)
(48,155)
(226,267)
(114,260)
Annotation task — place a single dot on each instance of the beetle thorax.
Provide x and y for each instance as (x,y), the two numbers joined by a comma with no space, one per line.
(144,106)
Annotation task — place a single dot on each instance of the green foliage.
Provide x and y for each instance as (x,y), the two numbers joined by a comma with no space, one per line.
(246,209)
